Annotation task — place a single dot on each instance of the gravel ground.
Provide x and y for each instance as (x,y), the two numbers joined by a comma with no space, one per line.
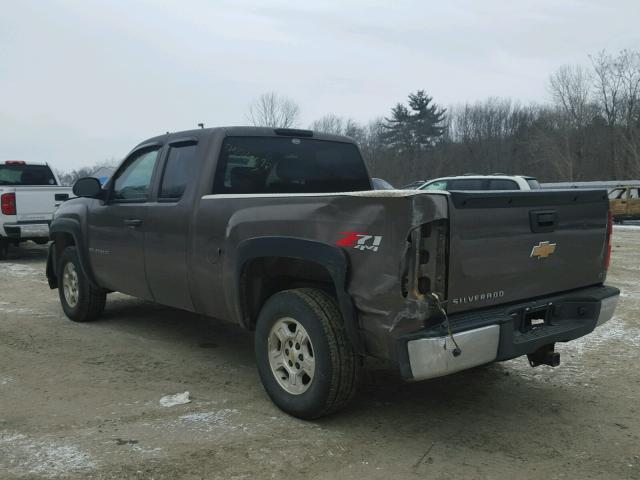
(83,400)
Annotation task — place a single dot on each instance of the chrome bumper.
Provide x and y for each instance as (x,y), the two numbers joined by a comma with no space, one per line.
(432,357)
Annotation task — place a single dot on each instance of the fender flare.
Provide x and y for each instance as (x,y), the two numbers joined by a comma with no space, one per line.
(332,259)
(71,227)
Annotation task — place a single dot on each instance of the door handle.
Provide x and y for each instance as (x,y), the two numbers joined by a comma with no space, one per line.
(133,222)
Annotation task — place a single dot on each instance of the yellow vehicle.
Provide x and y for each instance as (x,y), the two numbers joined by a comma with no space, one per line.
(625,203)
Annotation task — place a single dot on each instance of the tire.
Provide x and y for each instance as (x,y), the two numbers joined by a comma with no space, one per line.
(4,249)
(335,365)
(81,301)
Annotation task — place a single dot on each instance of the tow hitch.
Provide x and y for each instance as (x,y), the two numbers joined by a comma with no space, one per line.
(544,356)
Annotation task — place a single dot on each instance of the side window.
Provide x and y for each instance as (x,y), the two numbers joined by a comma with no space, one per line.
(178,171)
(467,184)
(442,185)
(132,183)
(502,184)
(633,193)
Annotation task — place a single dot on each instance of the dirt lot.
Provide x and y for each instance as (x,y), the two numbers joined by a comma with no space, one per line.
(82,400)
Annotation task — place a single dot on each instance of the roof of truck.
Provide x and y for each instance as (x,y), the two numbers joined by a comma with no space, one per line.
(247,131)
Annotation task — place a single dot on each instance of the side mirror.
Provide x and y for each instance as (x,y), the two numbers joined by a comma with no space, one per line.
(88,187)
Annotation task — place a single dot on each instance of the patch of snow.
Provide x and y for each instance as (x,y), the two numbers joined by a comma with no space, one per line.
(574,371)
(626,227)
(627,294)
(217,420)
(22,455)
(22,311)
(20,270)
(176,399)
(615,330)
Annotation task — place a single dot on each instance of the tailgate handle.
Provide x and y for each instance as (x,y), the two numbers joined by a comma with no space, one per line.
(543,220)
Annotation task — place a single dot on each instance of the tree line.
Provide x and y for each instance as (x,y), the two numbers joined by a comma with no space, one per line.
(589,130)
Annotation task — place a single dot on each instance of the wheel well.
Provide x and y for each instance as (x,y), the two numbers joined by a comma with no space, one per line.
(62,240)
(263,277)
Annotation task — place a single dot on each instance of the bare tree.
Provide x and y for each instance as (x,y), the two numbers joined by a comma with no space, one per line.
(273,110)
(628,66)
(570,88)
(330,123)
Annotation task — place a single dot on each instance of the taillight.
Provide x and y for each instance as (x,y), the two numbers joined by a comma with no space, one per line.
(8,203)
(607,258)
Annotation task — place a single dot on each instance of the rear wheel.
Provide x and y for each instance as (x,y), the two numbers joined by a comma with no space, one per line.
(81,301)
(305,360)
(4,249)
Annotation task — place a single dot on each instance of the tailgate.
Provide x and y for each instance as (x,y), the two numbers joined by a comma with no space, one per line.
(510,246)
(38,203)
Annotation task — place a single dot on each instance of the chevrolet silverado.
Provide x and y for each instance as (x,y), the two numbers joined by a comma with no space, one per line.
(279,230)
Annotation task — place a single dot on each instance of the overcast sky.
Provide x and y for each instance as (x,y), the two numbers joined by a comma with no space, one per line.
(83,81)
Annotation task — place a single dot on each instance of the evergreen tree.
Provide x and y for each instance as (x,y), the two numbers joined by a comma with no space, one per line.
(415,128)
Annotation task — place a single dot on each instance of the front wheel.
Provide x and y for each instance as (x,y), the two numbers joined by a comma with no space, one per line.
(305,360)
(81,301)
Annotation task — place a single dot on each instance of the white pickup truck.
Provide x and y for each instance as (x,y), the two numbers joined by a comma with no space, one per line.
(29,194)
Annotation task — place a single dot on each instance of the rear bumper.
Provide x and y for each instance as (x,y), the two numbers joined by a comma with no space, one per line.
(502,333)
(19,231)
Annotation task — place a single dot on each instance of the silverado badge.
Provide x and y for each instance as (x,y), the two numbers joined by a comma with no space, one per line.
(543,250)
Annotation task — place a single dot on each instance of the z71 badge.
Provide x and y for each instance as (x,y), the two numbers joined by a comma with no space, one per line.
(360,241)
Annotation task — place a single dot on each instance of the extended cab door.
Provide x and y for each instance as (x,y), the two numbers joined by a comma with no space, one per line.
(167,225)
(117,227)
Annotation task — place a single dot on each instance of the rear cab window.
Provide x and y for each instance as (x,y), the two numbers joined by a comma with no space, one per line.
(272,165)
(22,174)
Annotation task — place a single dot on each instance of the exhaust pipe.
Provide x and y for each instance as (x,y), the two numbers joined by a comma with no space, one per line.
(544,356)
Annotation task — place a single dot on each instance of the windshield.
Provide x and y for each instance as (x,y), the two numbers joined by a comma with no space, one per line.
(437,185)
(26,175)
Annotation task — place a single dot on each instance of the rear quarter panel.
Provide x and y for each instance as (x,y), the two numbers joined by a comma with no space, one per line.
(374,283)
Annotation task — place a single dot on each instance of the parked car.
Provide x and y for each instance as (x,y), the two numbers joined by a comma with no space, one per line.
(281,232)
(29,194)
(625,203)
(479,182)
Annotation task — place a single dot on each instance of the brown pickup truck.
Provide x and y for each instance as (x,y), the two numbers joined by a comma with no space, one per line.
(280,231)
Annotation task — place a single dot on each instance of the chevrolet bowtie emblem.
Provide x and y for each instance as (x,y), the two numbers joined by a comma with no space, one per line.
(543,250)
